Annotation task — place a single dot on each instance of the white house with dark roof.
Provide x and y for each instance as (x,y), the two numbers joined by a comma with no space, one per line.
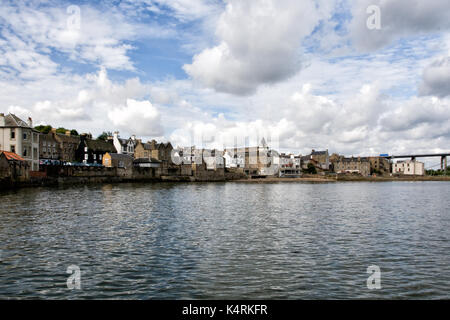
(21,138)
(124,146)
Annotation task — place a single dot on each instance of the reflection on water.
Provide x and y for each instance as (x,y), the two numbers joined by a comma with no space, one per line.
(227,240)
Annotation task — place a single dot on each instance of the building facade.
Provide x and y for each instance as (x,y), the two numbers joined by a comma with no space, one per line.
(352,165)
(18,136)
(91,151)
(409,168)
(124,146)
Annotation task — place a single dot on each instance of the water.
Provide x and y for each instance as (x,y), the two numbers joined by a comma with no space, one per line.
(227,241)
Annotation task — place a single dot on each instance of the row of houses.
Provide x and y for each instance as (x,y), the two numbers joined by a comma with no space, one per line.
(35,148)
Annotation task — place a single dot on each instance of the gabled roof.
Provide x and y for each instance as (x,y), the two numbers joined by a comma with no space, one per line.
(13,121)
(124,142)
(12,156)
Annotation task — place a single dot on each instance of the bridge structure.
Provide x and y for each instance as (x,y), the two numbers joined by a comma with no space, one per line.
(413,157)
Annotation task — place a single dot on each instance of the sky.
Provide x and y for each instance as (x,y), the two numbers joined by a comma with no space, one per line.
(356,77)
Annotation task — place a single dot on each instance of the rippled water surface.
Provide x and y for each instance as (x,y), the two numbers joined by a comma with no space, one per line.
(227,241)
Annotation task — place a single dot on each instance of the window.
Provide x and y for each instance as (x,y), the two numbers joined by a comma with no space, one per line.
(100,157)
(25,152)
(85,156)
(95,156)
(13,149)
(25,136)
(13,134)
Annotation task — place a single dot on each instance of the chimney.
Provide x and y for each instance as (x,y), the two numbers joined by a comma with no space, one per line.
(30,122)
(68,133)
(2,119)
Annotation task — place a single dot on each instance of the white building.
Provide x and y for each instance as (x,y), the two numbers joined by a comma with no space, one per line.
(19,137)
(409,167)
(233,159)
(124,146)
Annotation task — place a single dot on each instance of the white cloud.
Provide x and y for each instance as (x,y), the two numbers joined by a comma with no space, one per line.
(399,18)
(259,44)
(140,117)
(436,78)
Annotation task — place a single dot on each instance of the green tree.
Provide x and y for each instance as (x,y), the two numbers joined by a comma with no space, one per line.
(44,128)
(74,132)
(311,169)
(104,136)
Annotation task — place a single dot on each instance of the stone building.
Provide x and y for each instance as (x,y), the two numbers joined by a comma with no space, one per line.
(49,148)
(68,145)
(117,160)
(13,168)
(380,166)
(18,136)
(322,159)
(352,165)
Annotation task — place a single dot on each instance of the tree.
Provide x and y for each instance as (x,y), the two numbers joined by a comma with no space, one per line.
(104,136)
(44,129)
(311,169)
(74,132)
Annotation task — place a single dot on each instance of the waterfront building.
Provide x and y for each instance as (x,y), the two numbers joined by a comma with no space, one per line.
(49,148)
(124,146)
(213,159)
(142,150)
(18,136)
(13,168)
(68,145)
(289,165)
(408,167)
(233,160)
(380,165)
(117,160)
(322,158)
(92,151)
(352,165)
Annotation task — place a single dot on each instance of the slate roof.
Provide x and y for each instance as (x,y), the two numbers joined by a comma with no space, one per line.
(119,156)
(13,121)
(100,145)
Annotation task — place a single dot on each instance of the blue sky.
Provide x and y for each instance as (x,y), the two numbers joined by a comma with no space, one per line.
(308,73)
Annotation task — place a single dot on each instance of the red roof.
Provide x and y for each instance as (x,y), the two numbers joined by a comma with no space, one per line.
(12,156)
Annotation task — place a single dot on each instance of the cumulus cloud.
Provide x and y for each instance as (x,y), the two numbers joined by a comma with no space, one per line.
(84,33)
(436,78)
(399,18)
(259,44)
(139,116)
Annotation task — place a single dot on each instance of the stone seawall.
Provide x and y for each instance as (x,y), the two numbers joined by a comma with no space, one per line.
(65,175)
